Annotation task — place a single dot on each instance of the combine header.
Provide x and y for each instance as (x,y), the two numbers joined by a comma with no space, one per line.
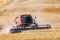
(27,22)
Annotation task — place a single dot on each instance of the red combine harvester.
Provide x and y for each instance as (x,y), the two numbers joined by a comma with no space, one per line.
(27,22)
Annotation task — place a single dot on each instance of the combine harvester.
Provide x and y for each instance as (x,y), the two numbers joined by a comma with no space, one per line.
(27,22)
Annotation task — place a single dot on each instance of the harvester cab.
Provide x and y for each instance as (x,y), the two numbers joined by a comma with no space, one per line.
(24,20)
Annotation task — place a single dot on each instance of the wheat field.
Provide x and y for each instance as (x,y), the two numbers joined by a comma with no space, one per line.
(33,35)
(45,11)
